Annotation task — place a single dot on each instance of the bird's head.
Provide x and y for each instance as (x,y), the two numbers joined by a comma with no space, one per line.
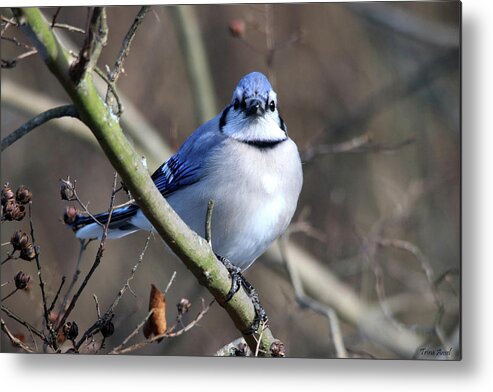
(253,114)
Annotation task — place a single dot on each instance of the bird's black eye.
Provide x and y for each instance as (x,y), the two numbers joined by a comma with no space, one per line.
(236,104)
(272,106)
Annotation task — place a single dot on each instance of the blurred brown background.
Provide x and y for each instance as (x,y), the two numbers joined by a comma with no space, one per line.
(371,95)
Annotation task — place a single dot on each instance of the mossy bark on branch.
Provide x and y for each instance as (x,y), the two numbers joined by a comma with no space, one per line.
(193,250)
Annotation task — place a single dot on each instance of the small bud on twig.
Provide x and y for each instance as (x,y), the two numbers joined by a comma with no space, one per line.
(23,195)
(108,329)
(67,190)
(183,306)
(70,330)
(21,280)
(277,349)
(70,215)
(237,28)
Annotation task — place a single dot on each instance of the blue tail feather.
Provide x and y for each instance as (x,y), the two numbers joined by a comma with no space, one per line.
(119,217)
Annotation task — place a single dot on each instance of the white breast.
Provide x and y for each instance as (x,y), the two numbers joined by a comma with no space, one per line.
(255,194)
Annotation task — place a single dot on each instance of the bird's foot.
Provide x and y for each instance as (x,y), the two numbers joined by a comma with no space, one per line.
(238,280)
(236,277)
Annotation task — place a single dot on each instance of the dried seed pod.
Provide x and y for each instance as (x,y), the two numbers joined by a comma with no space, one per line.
(108,329)
(156,324)
(7,209)
(237,28)
(23,194)
(7,194)
(241,350)
(21,280)
(28,252)
(183,306)
(14,211)
(70,330)
(67,190)
(19,240)
(277,349)
(70,215)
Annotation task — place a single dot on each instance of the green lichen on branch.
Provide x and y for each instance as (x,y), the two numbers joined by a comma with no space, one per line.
(193,250)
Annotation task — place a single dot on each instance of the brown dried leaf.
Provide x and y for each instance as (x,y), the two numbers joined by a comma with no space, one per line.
(156,324)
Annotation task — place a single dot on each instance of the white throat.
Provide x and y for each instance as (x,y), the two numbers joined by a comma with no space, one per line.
(244,129)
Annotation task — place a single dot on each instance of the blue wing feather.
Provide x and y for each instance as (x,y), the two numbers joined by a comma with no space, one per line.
(187,166)
(175,174)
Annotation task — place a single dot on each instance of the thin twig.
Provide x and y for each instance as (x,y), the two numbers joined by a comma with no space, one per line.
(85,207)
(96,38)
(16,42)
(316,306)
(208,222)
(40,119)
(117,349)
(30,327)
(97,261)
(75,276)
(108,315)
(41,281)
(167,334)
(122,55)
(111,87)
(15,341)
(52,306)
(387,95)
(98,310)
(9,294)
(430,276)
(127,42)
(132,274)
(68,27)
(170,282)
(55,16)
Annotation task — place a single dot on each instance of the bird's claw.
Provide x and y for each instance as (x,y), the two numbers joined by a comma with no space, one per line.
(238,280)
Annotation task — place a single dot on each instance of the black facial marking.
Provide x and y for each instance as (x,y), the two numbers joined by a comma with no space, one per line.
(236,104)
(222,120)
(283,125)
(263,144)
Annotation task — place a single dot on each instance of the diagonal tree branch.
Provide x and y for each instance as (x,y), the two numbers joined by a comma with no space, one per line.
(192,249)
(40,119)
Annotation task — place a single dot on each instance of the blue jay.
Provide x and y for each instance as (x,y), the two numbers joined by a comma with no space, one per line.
(245,162)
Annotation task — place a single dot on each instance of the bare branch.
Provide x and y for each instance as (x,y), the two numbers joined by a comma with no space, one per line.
(168,334)
(396,19)
(127,42)
(314,305)
(191,249)
(68,27)
(96,38)
(58,112)
(30,327)
(358,144)
(53,303)
(97,261)
(15,341)
(42,284)
(208,222)
(11,63)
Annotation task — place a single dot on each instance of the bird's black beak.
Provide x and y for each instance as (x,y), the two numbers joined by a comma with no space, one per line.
(254,107)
